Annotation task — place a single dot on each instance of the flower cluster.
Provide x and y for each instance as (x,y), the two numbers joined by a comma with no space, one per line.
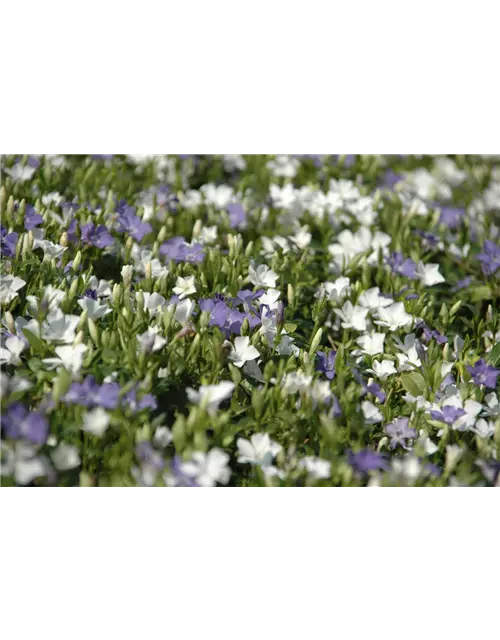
(288,320)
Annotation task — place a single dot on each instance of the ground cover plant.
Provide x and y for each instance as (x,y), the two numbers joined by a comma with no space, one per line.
(250,320)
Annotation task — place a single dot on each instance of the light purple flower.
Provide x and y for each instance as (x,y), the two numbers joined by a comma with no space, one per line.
(18,422)
(400,432)
(484,374)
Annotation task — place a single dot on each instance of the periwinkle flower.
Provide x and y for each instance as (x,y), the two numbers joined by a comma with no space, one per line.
(452,216)
(18,422)
(8,242)
(32,219)
(400,432)
(326,363)
(130,223)
(489,258)
(99,236)
(484,374)
(237,215)
(402,266)
(367,460)
(448,414)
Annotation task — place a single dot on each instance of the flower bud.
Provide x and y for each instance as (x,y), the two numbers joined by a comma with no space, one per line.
(127,273)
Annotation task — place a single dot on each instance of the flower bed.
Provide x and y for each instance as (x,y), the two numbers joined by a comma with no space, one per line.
(250,320)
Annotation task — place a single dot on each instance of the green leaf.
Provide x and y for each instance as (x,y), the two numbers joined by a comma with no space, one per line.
(494,355)
(108,355)
(315,342)
(413,382)
(482,292)
(34,340)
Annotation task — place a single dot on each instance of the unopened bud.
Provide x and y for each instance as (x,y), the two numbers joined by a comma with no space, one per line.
(140,299)
(489,313)
(162,234)
(83,320)
(245,327)
(117,293)
(20,246)
(94,331)
(453,455)
(22,208)
(127,273)
(77,261)
(446,351)
(27,246)
(3,197)
(73,289)
(9,321)
(79,338)
(10,206)
(197,228)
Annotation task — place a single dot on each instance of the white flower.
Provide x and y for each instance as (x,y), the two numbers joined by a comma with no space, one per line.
(286,346)
(349,245)
(52,297)
(270,298)
(283,166)
(50,249)
(21,462)
(96,421)
(371,412)
(208,235)
(269,325)
(94,308)
(183,310)
(262,276)
(208,468)
(233,160)
(54,197)
(337,290)
(453,454)
(9,286)
(9,354)
(243,351)
(383,369)
(446,367)
(217,196)
(353,317)
(295,381)
(59,326)
(428,274)
(269,248)
(320,392)
(210,396)
(408,468)
(372,343)
(362,210)
(69,357)
(252,370)
(153,302)
(162,437)
(426,444)
(471,407)
(394,316)
(409,359)
(127,271)
(144,257)
(150,341)
(12,384)
(346,189)
(483,428)
(20,173)
(302,238)
(184,287)
(260,450)
(191,199)
(317,468)
(492,405)
(65,457)
(372,299)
